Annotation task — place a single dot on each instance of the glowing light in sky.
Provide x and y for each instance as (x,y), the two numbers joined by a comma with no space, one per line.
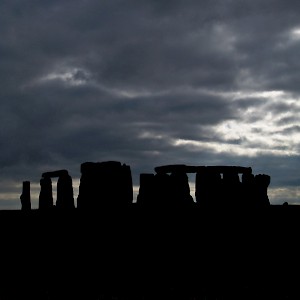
(70,76)
(295,34)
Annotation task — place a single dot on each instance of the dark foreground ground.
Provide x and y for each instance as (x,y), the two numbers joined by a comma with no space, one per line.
(142,253)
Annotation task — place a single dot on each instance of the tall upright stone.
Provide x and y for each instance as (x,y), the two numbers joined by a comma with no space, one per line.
(45,196)
(162,194)
(146,189)
(180,189)
(261,184)
(25,196)
(65,195)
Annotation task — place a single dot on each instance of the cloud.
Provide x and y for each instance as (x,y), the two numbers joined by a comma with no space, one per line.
(149,83)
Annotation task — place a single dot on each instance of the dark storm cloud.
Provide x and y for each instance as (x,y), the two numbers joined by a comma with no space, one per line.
(265,40)
(147,83)
(124,45)
(148,45)
(60,125)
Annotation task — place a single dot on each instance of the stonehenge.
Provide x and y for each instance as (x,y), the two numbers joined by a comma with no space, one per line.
(109,183)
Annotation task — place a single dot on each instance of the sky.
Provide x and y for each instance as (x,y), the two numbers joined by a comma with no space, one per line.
(149,83)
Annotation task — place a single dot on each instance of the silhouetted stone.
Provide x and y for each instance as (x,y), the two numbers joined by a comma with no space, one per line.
(25,196)
(180,189)
(146,189)
(65,196)
(45,196)
(214,189)
(104,184)
(125,185)
(262,182)
(164,189)
(163,195)
(57,173)
(131,254)
(248,189)
(211,188)
(208,187)
(229,191)
(232,195)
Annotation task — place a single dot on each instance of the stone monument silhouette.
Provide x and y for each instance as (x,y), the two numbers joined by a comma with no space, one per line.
(107,183)
(216,186)
(25,196)
(65,197)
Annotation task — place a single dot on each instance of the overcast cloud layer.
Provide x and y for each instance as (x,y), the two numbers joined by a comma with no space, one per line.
(149,83)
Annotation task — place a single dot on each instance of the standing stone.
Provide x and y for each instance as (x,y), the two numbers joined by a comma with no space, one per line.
(45,197)
(88,187)
(262,182)
(25,196)
(162,195)
(180,189)
(65,196)
(146,189)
